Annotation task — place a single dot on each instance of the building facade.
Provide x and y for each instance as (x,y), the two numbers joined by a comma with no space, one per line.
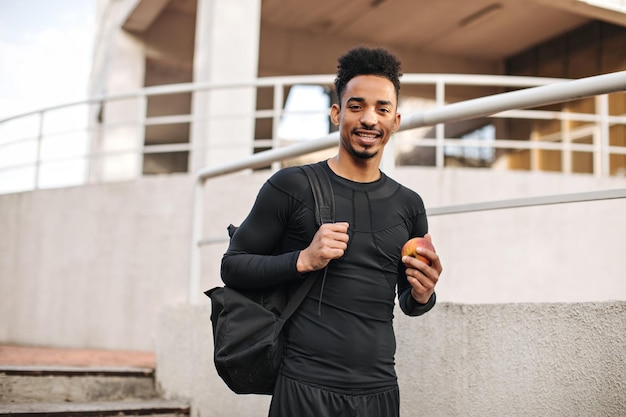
(142,44)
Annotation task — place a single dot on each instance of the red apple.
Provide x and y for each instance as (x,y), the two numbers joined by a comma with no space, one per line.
(417,242)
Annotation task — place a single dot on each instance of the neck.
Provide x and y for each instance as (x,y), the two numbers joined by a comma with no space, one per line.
(363,170)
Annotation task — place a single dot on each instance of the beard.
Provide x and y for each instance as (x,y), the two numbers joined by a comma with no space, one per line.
(362,154)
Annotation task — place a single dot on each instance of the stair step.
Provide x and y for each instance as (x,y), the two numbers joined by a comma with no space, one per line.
(154,407)
(59,384)
(43,370)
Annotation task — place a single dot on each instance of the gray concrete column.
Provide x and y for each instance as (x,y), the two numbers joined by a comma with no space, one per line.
(119,63)
(226,50)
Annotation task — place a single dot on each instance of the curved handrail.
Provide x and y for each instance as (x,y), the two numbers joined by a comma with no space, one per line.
(324,79)
(425,118)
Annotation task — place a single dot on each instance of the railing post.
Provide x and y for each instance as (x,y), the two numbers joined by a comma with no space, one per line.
(602,143)
(142,115)
(566,147)
(39,146)
(440,94)
(534,153)
(276,115)
(195,266)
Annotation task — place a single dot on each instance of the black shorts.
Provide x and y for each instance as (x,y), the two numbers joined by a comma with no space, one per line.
(295,398)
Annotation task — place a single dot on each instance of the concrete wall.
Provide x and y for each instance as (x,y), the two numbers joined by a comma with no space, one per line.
(92,266)
(539,254)
(548,360)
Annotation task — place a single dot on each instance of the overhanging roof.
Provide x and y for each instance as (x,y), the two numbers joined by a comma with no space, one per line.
(477,29)
(481,29)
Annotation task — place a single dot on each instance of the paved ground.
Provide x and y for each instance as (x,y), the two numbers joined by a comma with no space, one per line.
(27,356)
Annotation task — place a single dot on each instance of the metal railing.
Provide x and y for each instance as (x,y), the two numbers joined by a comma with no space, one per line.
(534,92)
(40,133)
(485,106)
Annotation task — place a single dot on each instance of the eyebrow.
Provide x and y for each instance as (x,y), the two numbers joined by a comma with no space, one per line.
(362,100)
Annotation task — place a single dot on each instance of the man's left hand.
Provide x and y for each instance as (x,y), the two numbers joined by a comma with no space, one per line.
(423,277)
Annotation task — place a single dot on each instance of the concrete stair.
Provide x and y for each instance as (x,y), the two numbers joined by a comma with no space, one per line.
(83,391)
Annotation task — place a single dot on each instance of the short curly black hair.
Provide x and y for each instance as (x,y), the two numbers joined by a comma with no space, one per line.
(367,61)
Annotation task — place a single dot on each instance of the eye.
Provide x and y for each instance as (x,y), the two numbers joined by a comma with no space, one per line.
(384,110)
(354,107)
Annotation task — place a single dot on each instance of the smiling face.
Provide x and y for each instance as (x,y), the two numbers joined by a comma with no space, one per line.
(367,117)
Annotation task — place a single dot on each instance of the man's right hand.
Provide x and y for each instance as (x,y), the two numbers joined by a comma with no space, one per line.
(330,242)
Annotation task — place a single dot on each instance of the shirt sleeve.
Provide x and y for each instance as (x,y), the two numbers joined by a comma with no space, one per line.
(410,307)
(252,261)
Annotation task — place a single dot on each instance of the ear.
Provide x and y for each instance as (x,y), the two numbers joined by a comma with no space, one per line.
(396,123)
(334,114)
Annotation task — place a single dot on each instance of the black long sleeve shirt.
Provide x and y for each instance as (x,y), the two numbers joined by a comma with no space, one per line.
(343,331)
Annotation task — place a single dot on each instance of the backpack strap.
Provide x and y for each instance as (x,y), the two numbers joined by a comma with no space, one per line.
(322,193)
(324,213)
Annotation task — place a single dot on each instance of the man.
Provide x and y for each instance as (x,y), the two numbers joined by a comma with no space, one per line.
(339,359)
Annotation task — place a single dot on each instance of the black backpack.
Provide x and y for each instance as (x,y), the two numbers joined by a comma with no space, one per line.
(247,325)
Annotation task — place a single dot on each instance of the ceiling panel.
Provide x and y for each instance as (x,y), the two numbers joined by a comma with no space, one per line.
(482,29)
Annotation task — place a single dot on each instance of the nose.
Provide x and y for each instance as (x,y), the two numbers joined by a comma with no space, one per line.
(369,118)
